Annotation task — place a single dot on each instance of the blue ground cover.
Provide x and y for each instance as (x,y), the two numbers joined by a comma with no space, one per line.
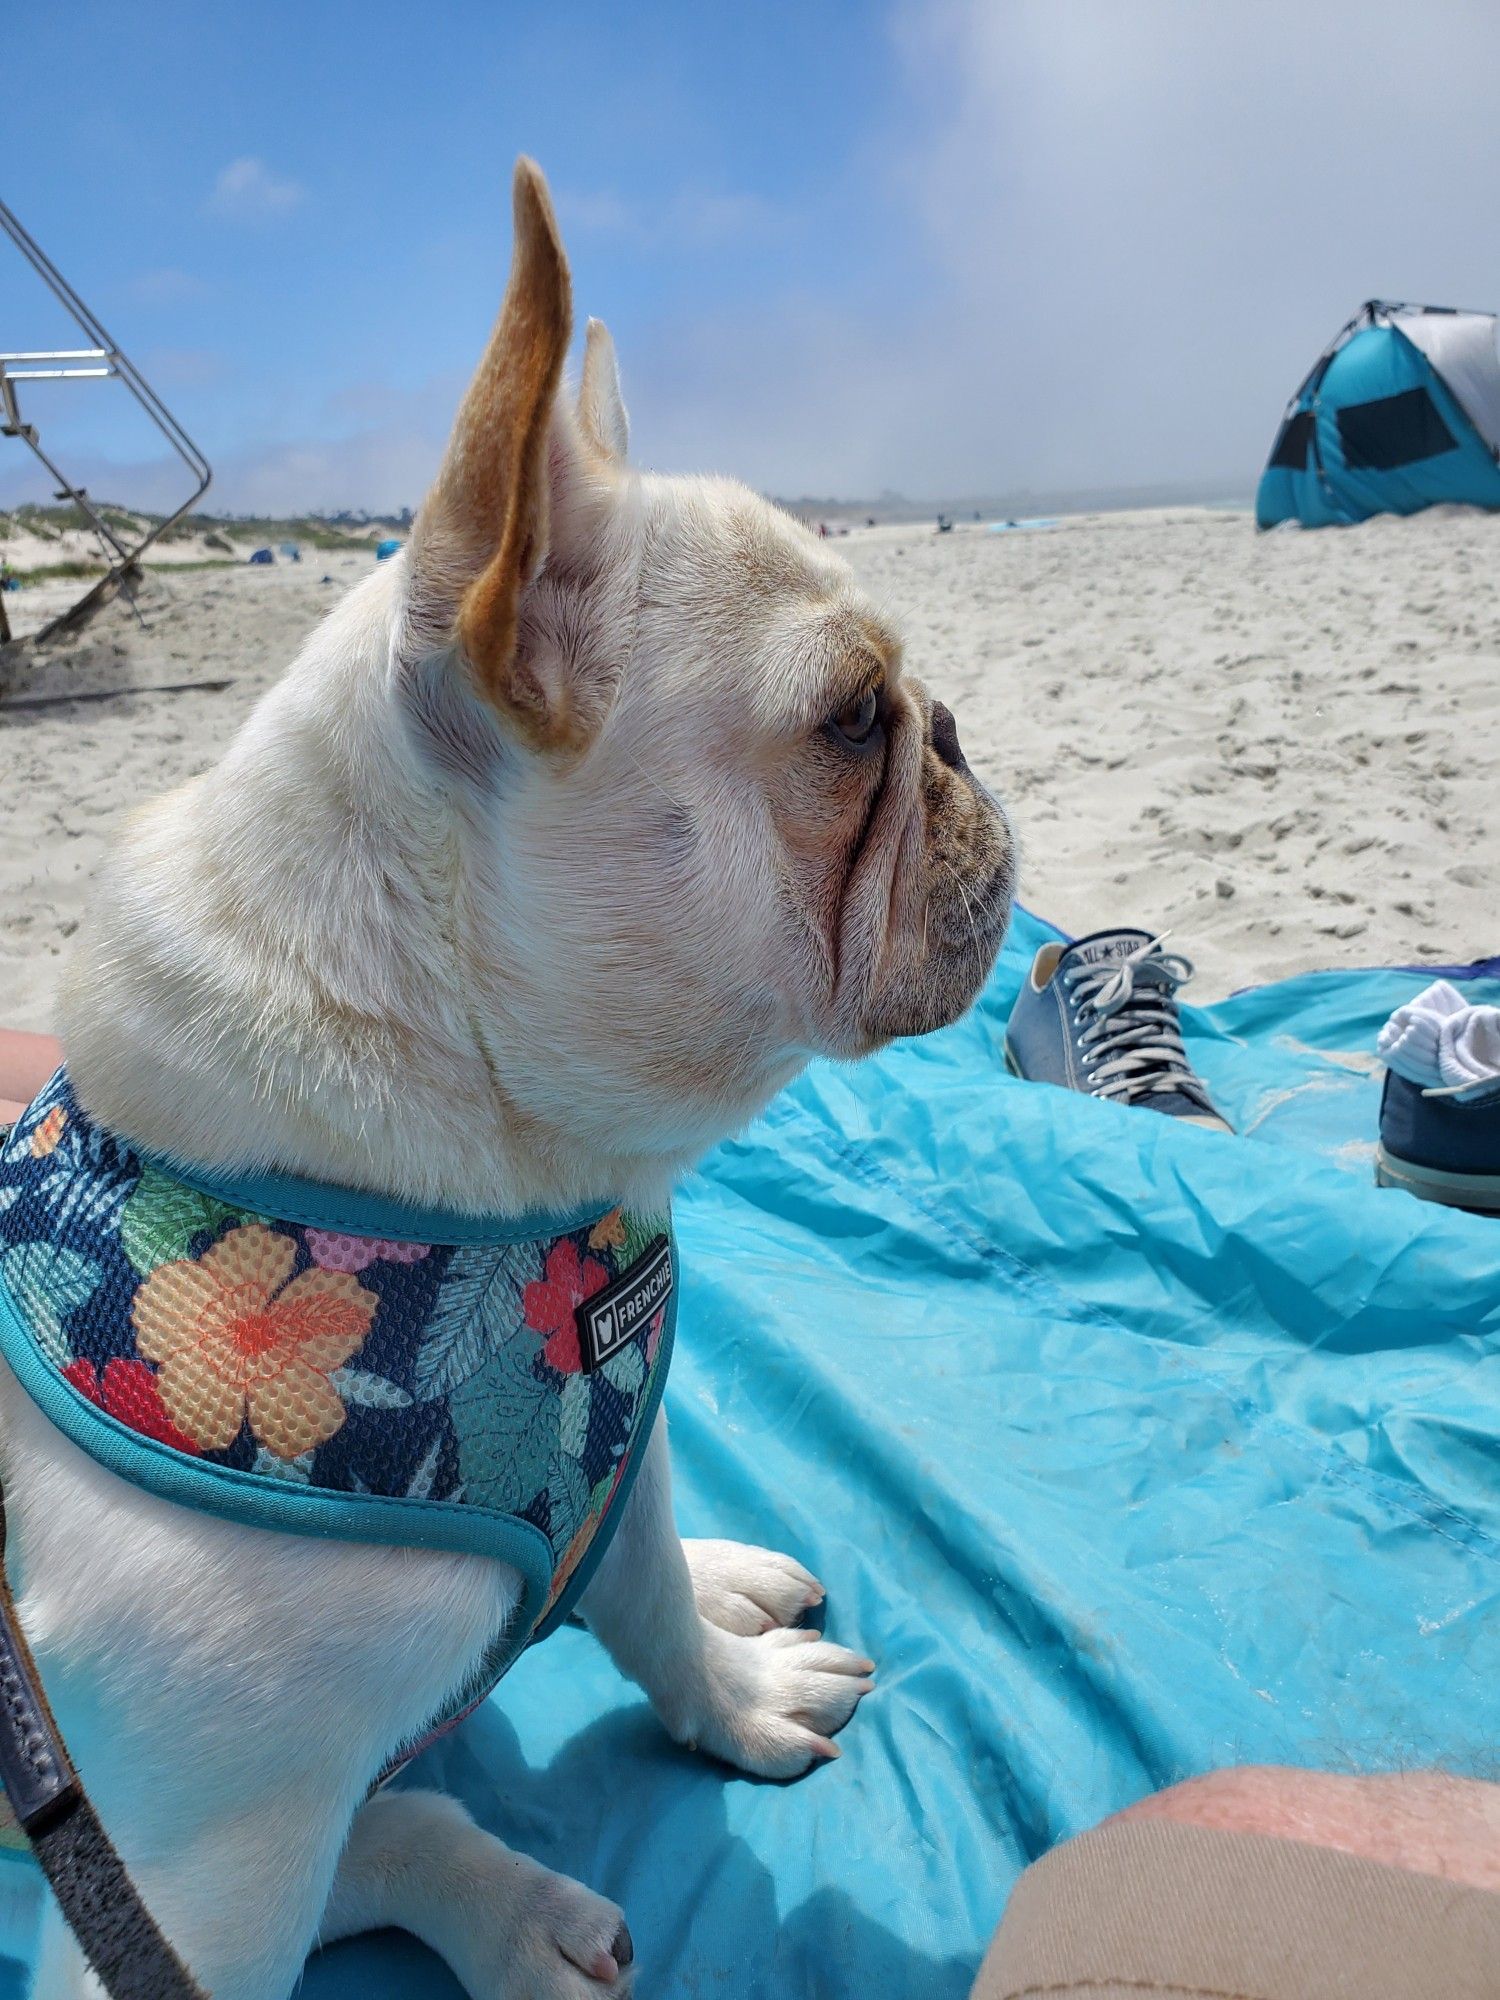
(1128,1450)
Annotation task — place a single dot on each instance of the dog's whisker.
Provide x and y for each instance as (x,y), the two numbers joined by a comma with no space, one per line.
(651,779)
(968,906)
(994,911)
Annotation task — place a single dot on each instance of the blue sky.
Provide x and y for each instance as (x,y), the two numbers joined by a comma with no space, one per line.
(971,245)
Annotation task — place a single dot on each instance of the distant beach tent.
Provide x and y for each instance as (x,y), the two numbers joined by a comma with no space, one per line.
(261,556)
(1400,412)
(387,548)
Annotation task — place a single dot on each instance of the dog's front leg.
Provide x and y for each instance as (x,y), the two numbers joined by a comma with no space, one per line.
(509,1928)
(228,1693)
(699,1626)
(239,1910)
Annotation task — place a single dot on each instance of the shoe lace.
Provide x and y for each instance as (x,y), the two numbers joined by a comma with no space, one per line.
(1131,1033)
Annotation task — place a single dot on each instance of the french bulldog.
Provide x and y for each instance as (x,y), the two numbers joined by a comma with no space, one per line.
(571,835)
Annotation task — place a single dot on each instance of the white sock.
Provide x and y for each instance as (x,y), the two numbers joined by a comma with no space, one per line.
(1438,1040)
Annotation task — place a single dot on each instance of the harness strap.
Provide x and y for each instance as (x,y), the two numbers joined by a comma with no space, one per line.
(103,1908)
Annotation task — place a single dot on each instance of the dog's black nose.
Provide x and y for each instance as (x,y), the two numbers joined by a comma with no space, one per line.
(945,738)
(623,1948)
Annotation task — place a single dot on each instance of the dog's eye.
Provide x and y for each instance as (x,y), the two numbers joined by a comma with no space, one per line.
(856,720)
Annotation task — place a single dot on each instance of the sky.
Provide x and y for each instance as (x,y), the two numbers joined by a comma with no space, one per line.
(941,247)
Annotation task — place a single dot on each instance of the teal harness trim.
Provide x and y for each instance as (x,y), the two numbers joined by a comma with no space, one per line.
(359,1212)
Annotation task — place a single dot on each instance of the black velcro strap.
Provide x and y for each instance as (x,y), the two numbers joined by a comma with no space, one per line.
(103,1908)
(106,1915)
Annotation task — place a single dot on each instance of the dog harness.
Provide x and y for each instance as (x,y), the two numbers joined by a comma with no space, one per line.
(326,1362)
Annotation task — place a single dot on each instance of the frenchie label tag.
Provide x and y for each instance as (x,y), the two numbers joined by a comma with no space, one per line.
(613,1317)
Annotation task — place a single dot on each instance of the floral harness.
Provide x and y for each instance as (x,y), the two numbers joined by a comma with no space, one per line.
(323,1361)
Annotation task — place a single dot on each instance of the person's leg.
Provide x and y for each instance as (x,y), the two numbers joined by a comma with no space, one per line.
(1267,1884)
(1421,1820)
(26,1062)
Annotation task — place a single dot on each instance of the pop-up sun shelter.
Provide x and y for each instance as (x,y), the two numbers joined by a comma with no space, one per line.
(1401,411)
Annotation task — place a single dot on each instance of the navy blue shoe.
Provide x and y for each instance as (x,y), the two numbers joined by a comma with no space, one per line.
(1441,1145)
(1100,1016)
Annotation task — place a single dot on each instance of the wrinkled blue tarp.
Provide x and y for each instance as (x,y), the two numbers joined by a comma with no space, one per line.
(1129,1450)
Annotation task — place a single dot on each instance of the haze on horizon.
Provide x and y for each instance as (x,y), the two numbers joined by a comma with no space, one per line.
(940,247)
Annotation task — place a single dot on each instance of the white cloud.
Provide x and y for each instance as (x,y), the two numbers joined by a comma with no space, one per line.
(247,191)
(382,471)
(167,287)
(688,219)
(1111,240)
(604,212)
(387,446)
(1145,221)
(1125,232)
(182,367)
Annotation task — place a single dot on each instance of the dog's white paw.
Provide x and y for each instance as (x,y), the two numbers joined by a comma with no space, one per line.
(774,1699)
(749,1590)
(554,1940)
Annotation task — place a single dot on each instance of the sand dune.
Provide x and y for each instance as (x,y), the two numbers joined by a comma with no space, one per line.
(1283,747)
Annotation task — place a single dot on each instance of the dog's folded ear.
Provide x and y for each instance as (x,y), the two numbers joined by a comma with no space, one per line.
(515,458)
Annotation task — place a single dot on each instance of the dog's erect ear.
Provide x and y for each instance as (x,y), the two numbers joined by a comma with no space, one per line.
(601,407)
(482,533)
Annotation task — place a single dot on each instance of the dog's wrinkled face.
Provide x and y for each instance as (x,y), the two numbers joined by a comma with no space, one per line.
(717,829)
(877,882)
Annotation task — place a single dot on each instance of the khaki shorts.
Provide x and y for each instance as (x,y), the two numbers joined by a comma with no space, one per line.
(1150,1907)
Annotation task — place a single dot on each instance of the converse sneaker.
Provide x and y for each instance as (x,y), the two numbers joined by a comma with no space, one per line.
(1100,1016)
(1442,1144)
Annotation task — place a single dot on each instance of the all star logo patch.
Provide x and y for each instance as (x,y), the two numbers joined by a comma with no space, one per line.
(1108,951)
(612,1318)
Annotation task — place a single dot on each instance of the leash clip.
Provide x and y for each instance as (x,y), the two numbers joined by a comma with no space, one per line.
(37,1773)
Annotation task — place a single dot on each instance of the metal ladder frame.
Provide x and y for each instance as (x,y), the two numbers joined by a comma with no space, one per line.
(103,360)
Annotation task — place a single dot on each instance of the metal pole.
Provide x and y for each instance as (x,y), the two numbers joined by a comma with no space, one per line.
(118,363)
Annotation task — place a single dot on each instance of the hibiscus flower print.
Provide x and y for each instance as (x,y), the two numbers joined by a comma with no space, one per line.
(127,1391)
(579,1547)
(235,1336)
(331,1251)
(608,1233)
(46,1136)
(549,1303)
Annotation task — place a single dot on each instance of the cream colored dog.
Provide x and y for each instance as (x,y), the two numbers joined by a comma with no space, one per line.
(568,839)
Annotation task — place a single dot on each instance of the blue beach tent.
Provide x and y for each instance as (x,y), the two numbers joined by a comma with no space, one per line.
(1401,411)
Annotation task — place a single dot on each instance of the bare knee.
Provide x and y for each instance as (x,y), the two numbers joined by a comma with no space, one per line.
(1422,1820)
(26,1062)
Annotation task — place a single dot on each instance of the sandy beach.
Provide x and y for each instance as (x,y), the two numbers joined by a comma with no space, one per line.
(1280,747)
